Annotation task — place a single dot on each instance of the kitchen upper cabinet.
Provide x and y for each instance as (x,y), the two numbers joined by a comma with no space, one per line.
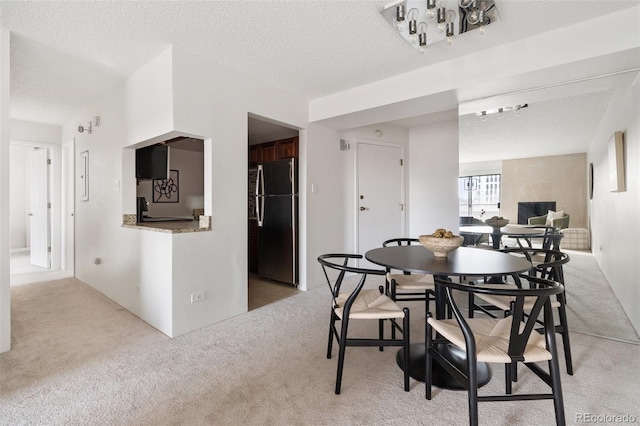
(288,148)
(255,155)
(273,151)
(269,152)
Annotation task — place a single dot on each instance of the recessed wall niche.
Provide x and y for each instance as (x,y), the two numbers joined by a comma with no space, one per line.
(186,160)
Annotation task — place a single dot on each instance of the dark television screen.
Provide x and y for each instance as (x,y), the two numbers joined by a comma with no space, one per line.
(152,162)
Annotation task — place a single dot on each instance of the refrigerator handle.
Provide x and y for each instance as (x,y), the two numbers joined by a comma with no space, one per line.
(259,198)
(292,173)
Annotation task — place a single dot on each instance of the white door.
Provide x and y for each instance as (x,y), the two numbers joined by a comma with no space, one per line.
(39,207)
(380,203)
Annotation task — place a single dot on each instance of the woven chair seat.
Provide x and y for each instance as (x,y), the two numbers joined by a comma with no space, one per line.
(361,303)
(369,304)
(412,282)
(492,339)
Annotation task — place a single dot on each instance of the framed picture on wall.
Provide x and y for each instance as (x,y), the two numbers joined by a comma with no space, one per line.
(166,190)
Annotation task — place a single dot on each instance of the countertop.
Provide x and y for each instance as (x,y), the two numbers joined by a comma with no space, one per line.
(170,227)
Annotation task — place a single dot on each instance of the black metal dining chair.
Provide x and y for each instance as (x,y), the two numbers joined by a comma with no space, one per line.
(547,264)
(405,286)
(549,238)
(359,303)
(508,341)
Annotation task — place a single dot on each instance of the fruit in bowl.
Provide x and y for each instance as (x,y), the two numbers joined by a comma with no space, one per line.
(497,222)
(441,242)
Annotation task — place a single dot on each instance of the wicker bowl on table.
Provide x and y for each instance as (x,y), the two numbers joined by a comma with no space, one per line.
(497,223)
(440,246)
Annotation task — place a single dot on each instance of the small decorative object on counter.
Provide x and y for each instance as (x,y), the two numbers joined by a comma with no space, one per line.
(441,242)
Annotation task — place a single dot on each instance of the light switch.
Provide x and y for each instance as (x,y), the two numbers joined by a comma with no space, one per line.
(314,188)
(117,185)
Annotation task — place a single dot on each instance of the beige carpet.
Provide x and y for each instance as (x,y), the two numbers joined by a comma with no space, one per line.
(592,307)
(80,359)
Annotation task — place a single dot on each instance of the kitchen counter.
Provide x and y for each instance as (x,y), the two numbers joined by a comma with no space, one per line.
(169,227)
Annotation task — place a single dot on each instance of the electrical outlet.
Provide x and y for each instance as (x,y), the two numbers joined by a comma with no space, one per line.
(197,297)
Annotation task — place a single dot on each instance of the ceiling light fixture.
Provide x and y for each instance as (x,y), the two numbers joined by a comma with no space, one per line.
(501,111)
(432,21)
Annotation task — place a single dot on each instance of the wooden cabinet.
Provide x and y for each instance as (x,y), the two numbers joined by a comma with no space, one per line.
(288,148)
(255,155)
(269,152)
(273,151)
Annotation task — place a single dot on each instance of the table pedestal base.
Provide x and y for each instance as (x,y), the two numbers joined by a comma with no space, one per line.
(440,377)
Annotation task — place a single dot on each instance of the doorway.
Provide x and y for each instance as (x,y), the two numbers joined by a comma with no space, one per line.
(41,241)
(270,142)
(30,209)
(380,204)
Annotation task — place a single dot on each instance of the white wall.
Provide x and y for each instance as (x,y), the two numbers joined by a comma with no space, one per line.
(431,158)
(5,234)
(174,93)
(433,178)
(322,227)
(35,133)
(481,168)
(614,223)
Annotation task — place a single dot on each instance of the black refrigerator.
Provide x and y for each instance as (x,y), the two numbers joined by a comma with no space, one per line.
(277,213)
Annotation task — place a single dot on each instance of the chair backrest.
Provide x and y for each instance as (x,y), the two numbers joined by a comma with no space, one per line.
(550,266)
(550,237)
(561,222)
(400,242)
(340,263)
(523,321)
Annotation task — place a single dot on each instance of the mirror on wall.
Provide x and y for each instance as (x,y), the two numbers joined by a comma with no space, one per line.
(542,146)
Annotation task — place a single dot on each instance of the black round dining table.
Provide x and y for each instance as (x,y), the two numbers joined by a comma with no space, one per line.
(464,261)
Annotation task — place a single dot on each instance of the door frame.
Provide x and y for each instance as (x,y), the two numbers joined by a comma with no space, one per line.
(55,186)
(356,168)
(67,203)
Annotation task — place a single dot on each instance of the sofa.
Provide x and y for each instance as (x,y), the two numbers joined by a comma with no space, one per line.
(576,239)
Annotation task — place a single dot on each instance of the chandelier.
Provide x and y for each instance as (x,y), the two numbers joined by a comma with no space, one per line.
(425,22)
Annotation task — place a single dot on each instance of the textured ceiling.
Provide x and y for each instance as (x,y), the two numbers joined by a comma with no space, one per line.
(552,127)
(66,54)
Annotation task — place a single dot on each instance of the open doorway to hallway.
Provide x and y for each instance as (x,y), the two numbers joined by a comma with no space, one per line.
(30,209)
(36,184)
